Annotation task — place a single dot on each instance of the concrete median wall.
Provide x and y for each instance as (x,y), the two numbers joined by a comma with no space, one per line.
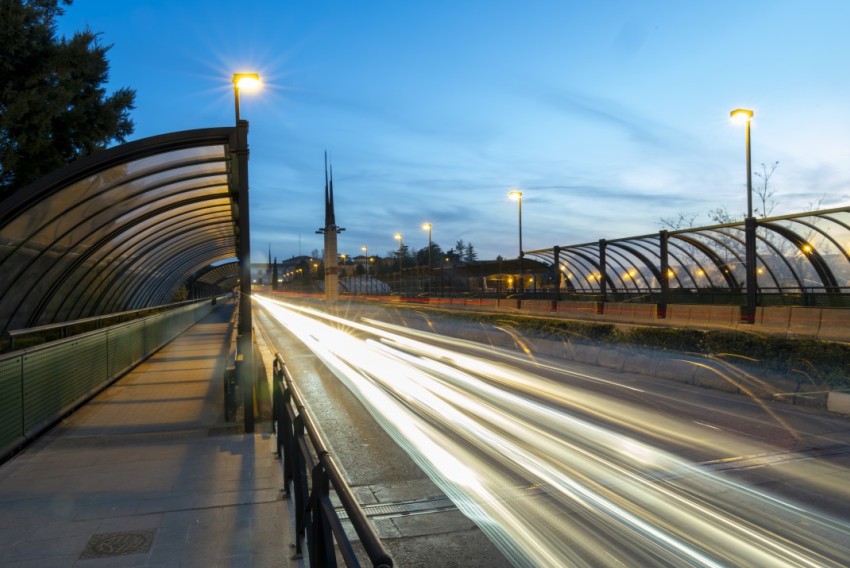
(618,311)
(835,324)
(702,315)
(828,324)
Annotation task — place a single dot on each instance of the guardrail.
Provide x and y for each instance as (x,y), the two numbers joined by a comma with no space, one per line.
(96,322)
(41,384)
(302,450)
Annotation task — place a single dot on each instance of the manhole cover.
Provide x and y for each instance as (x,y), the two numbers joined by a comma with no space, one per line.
(103,545)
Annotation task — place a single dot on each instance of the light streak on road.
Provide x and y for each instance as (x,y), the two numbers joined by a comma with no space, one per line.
(517,454)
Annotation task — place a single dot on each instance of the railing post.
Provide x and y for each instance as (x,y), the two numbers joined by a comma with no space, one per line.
(748,313)
(321,540)
(603,278)
(316,521)
(289,446)
(556,255)
(299,482)
(277,406)
(664,256)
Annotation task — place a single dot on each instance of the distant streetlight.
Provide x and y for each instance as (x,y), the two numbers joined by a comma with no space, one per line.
(427,227)
(246,81)
(517,196)
(398,236)
(746,116)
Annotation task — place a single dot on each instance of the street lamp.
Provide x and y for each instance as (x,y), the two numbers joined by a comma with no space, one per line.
(246,81)
(365,250)
(245,369)
(517,196)
(427,227)
(398,236)
(746,115)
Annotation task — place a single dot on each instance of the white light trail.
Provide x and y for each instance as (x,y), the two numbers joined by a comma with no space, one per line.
(483,430)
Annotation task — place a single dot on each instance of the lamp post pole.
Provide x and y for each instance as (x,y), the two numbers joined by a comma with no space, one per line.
(749,315)
(400,251)
(365,250)
(427,227)
(517,196)
(245,340)
(248,81)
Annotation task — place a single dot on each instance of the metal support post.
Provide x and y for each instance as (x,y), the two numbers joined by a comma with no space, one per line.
(558,275)
(603,281)
(245,330)
(749,314)
(663,237)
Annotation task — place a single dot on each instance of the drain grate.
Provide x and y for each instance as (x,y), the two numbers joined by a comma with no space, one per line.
(404,508)
(104,545)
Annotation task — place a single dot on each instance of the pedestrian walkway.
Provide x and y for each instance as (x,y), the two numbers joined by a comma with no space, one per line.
(148,474)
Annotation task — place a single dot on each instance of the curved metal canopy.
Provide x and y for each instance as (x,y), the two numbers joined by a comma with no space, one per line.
(222,276)
(805,252)
(121,229)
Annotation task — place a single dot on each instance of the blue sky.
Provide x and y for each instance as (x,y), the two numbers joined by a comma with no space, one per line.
(608,115)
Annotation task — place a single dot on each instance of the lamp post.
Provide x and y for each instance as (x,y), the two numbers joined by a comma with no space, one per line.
(247,81)
(427,227)
(748,317)
(517,196)
(245,368)
(398,236)
(365,250)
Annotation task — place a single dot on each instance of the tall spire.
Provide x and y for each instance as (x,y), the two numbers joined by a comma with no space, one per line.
(331,222)
(328,193)
(330,231)
(330,216)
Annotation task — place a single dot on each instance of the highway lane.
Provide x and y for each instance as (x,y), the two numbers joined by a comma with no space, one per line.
(562,465)
(419,525)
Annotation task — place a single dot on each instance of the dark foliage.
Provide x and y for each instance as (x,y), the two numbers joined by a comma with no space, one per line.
(53,104)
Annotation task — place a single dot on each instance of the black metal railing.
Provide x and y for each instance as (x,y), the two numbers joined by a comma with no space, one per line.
(303,452)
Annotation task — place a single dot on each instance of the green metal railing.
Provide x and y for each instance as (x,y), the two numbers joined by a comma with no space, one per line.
(40,385)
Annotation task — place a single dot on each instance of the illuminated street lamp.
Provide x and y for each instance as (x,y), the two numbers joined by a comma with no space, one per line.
(365,250)
(247,81)
(746,116)
(398,236)
(245,369)
(517,196)
(427,227)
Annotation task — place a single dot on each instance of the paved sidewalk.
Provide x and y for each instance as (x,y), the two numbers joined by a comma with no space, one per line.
(148,474)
